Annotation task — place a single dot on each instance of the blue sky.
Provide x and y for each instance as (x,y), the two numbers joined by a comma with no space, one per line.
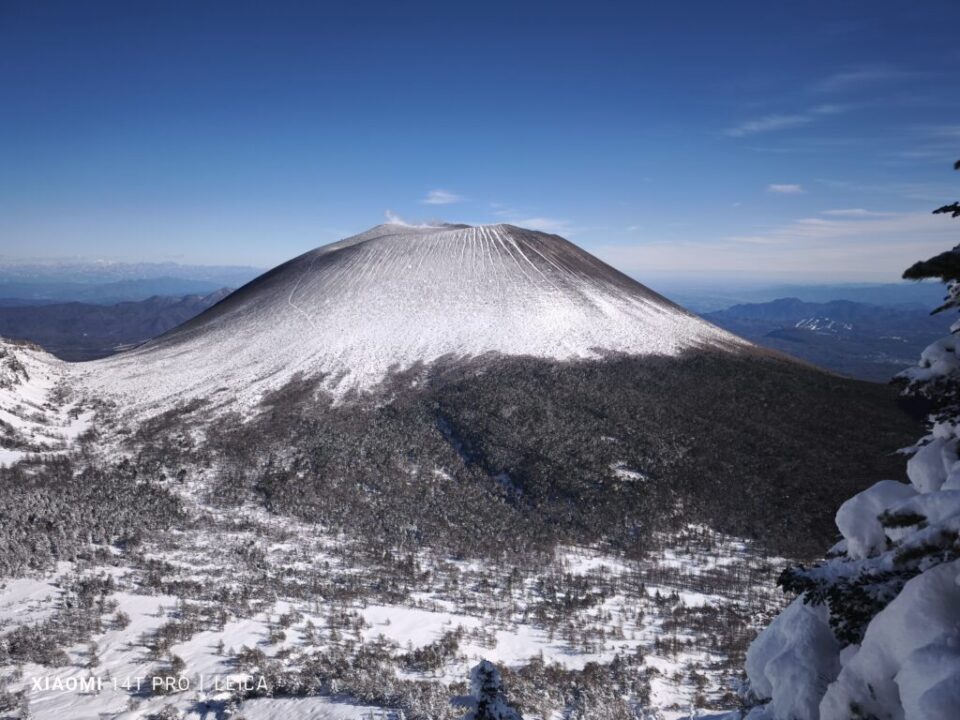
(800,141)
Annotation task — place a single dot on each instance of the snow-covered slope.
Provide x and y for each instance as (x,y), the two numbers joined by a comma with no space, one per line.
(395,295)
(36,415)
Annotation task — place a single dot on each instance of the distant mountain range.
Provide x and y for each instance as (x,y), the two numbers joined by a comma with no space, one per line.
(86,331)
(110,283)
(862,340)
(702,296)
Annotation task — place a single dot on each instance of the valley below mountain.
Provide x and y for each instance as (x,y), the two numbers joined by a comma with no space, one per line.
(861,340)
(78,331)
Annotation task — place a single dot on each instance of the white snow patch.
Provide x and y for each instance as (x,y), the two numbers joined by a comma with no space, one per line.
(910,655)
(793,660)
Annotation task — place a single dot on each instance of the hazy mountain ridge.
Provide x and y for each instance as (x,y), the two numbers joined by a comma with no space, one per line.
(871,342)
(107,283)
(94,272)
(704,297)
(81,331)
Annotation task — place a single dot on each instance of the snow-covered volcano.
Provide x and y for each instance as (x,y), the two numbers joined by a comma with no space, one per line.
(395,295)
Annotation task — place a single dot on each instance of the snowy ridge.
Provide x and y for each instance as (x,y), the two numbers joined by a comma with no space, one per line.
(397,295)
(823,324)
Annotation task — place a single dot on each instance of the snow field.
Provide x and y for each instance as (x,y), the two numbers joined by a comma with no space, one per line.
(505,638)
(37,417)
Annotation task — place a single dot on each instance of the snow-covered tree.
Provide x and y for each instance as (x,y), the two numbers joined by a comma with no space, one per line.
(486,689)
(874,632)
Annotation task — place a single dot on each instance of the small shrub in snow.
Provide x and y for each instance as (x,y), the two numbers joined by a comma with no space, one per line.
(486,690)
(167,712)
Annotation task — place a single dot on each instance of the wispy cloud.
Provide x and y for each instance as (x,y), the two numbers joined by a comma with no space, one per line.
(768,123)
(785,188)
(544,224)
(932,143)
(860,224)
(830,109)
(861,77)
(869,247)
(441,197)
(926,192)
(854,213)
(771,123)
(394,219)
(945,131)
(526,219)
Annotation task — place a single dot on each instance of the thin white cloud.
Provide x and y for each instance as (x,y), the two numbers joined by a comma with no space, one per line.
(394,219)
(854,213)
(931,193)
(510,214)
(829,109)
(526,219)
(946,131)
(770,123)
(933,143)
(785,188)
(544,224)
(441,197)
(856,78)
(867,248)
(870,227)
